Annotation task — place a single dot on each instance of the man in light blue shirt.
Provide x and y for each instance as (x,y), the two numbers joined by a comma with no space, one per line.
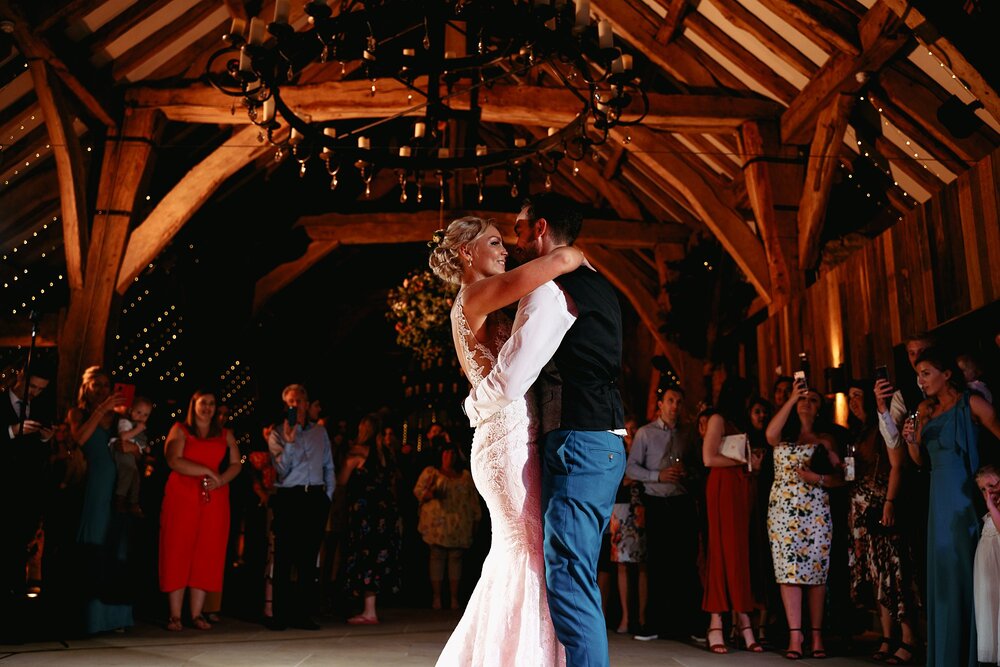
(303,460)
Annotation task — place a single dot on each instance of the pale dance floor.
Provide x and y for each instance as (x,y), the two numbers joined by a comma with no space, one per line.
(407,637)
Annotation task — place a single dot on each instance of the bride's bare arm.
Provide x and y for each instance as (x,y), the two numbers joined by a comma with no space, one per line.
(489,294)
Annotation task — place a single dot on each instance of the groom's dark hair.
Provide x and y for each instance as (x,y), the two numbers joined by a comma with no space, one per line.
(562,214)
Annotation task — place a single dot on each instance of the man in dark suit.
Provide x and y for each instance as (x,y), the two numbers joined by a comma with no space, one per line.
(24,436)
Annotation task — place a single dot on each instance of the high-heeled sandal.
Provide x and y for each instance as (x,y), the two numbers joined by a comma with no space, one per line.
(879,654)
(174,624)
(817,653)
(791,654)
(754,647)
(896,660)
(718,649)
(201,623)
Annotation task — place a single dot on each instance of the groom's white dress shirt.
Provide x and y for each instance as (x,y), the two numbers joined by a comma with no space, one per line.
(543,318)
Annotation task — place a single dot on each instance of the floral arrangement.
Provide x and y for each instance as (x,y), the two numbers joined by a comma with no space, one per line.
(420,309)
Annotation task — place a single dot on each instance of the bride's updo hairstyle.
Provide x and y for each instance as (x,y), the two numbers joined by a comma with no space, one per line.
(445,261)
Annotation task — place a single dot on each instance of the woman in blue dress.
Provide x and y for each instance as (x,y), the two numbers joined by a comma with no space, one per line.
(100,536)
(945,432)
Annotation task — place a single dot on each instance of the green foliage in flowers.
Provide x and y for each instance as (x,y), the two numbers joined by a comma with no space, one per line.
(420,311)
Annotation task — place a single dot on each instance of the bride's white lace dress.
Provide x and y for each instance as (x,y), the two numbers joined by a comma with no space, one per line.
(507,622)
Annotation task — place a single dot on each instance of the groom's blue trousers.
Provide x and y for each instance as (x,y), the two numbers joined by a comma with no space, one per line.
(581,474)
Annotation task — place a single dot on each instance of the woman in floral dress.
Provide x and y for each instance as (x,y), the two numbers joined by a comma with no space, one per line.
(798,514)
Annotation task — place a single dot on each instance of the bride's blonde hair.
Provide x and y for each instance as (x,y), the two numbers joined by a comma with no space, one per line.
(445,261)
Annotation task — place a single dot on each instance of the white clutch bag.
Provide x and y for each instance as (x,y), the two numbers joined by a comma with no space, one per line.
(737,448)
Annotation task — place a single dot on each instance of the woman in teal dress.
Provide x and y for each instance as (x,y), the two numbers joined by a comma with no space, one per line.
(100,536)
(946,433)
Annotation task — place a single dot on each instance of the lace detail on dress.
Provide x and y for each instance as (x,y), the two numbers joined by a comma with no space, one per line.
(507,620)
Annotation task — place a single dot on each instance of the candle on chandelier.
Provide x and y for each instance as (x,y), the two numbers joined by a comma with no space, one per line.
(405,151)
(605,37)
(364,142)
(245,65)
(552,131)
(419,130)
(617,66)
(520,142)
(626,59)
(296,137)
(444,152)
(480,150)
(282,10)
(329,132)
(582,13)
(449,55)
(256,32)
(409,53)
(267,110)
(238,28)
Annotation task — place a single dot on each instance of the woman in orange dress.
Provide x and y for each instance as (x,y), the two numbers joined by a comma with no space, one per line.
(194,523)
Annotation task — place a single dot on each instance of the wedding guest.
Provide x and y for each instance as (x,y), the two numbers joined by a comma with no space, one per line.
(987,569)
(303,459)
(945,433)
(628,540)
(194,520)
(131,429)
(762,584)
(26,452)
(880,561)
(663,458)
(902,399)
(781,390)
(449,514)
(728,497)
(973,373)
(101,535)
(798,515)
(373,542)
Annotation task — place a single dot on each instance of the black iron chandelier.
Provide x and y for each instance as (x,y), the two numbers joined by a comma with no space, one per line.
(405,41)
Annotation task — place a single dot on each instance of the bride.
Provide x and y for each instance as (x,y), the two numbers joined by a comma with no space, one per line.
(507,620)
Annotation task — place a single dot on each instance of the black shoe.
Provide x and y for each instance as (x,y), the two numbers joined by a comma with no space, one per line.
(645,634)
(275,623)
(305,623)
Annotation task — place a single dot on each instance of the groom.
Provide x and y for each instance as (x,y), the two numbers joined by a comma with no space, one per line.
(577,324)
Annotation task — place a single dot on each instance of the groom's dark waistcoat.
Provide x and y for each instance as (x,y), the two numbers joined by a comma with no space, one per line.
(589,359)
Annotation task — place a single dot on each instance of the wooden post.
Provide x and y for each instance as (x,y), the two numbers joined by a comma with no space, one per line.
(124,167)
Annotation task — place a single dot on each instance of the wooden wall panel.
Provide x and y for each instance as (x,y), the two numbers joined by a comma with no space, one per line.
(938,263)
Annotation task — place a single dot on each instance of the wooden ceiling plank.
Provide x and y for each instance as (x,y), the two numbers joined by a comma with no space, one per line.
(918,131)
(659,197)
(129,18)
(746,20)
(882,41)
(69,167)
(740,56)
(148,48)
(35,47)
(67,12)
(649,149)
(184,199)
(813,27)
(197,102)
(418,226)
(710,152)
(237,9)
(721,77)
(944,48)
(284,275)
(924,177)
(820,170)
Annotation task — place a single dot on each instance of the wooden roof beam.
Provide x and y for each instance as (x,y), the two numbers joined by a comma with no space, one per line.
(184,199)
(17,333)
(773,180)
(418,226)
(69,167)
(703,196)
(944,48)
(149,48)
(823,160)
(284,275)
(672,23)
(744,19)
(844,73)
(523,105)
(823,25)
(36,48)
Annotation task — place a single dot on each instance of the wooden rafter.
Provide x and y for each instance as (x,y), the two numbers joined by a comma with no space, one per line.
(184,200)
(282,276)
(703,196)
(143,51)
(844,72)
(823,161)
(130,17)
(944,48)
(774,183)
(742,57)
(69,166)
(821,29)
(237,9)
(672,22)
(923,176)
(524,105)
(367,228)
(35,48)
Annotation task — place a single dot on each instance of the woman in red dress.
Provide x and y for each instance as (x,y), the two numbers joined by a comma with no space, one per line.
(194,523)
(728,495)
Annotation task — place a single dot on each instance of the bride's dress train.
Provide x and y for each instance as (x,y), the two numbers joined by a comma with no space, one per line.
(507,622)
